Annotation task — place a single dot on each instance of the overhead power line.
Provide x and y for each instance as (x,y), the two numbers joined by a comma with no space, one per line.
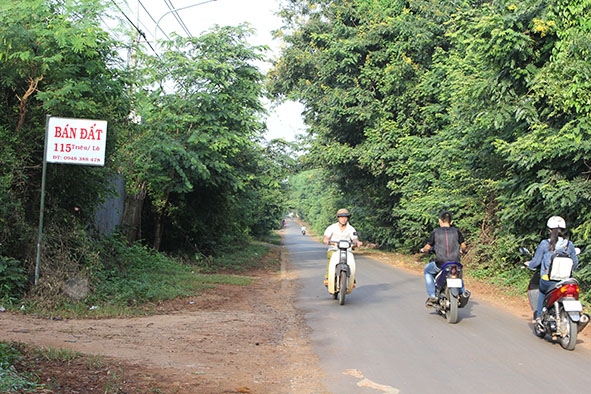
(173,9)
(140,32)
(153,20)
(179,9)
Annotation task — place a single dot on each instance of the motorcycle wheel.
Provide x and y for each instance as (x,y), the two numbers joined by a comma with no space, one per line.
(568,341)
(342,287)
(452,313)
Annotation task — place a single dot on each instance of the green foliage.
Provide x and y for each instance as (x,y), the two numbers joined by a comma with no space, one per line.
(513,281)
(13,177)
(314,197)
(207,181)
(583,274)
(55,59)
(13,279)
(10,380)
(131,279)
(8,355)
(477,107)
(134,275)
(240,258)
(53,354)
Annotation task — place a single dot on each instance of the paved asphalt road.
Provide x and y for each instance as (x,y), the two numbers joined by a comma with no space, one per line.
(384,340)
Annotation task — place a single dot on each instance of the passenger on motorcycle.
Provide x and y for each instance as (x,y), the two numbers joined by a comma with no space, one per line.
(447,242)
(543,256)
(341,230)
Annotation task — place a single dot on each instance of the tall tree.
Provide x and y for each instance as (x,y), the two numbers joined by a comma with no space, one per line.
(357,66)
(201,120)
(475,106)
(54,59)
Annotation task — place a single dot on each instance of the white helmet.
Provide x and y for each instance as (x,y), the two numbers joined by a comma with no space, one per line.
(556,222)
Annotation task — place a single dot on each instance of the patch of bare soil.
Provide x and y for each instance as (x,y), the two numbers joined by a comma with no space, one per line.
(231,339)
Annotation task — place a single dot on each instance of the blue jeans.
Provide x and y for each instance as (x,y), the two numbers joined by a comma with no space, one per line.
(430,271)
(545,285)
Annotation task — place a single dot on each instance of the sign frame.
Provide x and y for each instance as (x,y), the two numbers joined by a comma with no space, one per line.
(69,141)
(76,141)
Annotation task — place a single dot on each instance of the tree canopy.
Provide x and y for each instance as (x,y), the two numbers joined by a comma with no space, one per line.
(478,107)
(185,134)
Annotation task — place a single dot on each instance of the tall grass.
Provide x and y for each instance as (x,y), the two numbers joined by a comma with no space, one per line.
(125,281)
(126,278)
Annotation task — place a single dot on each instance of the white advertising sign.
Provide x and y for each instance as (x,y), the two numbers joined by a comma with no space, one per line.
(76,141)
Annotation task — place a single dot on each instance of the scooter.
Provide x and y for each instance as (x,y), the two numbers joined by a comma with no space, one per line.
(562,315)
(341,271)
(303,230)
(448,291)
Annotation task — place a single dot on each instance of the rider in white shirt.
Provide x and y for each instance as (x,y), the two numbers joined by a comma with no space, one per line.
(341,230)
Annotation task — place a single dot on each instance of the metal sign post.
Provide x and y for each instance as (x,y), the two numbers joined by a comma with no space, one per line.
(42,208)
(69,141)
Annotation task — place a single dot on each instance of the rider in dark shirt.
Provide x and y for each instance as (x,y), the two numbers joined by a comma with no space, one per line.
(447,242)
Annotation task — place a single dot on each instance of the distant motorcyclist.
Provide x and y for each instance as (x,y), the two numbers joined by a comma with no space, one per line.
(448,242)
(303,230)
(543,256)
(341,230)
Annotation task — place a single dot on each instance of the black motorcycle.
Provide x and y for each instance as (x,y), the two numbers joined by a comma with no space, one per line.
(448,291)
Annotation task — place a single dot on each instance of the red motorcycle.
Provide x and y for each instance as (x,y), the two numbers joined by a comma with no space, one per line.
(562,315)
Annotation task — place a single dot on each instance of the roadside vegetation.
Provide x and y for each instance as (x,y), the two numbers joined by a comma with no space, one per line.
(188,177)
(125,279)
(148,278)
(478,107)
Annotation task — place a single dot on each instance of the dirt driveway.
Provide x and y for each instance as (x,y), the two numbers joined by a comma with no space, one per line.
(234,339)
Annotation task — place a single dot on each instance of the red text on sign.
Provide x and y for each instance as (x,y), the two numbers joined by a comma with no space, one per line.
(82,133)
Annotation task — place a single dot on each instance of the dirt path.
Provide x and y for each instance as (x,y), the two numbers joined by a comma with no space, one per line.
(233,339)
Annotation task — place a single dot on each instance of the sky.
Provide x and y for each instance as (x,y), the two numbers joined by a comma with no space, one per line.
(155,18)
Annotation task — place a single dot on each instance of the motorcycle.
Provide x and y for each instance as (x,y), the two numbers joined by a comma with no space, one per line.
(303,230)
(562,315)
(448,291)
(341,271)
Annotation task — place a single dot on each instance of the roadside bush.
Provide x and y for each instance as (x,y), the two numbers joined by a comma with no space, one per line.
(135,274)
(10,380)
(12,279)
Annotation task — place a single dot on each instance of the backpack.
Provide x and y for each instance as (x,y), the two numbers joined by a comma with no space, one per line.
(561,266)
